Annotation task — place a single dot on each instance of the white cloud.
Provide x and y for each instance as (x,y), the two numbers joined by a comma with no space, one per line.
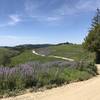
(14,19)
(11,40)
(7,37)
(80,6)
(30,7)
(88,5)
(53,18)
(48,18)
(58,14)
(32,10)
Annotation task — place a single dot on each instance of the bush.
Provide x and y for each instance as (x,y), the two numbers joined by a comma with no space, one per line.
(88,67)
(35,74)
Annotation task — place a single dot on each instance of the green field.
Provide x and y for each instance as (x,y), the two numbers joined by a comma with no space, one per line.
(75,52)
(11,57)
(28,56)
(21,69)
(6,54)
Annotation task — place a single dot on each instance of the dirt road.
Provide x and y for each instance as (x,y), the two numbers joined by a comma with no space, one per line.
(87,90)
(64,58)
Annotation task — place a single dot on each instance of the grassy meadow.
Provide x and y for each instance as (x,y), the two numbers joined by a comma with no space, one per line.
(28,56)
(75,52)
(20,69)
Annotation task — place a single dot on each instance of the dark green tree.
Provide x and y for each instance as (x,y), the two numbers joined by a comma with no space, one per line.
(92,41)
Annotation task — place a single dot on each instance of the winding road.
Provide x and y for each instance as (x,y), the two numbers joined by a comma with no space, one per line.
(85,90)
(64,58)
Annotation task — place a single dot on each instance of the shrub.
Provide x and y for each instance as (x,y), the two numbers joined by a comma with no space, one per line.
(35,74)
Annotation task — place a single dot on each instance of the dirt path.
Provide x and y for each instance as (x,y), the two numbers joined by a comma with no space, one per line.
(86,90)
(64,58)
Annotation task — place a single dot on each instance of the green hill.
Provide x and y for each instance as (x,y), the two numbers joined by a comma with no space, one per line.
(13,56)
(22,69)
(6,54)
(28,56)
(72,51)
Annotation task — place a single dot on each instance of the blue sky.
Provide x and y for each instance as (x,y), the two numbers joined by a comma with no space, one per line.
(45,21)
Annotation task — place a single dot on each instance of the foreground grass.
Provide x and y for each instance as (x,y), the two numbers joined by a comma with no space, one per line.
(37,75)
(44,71)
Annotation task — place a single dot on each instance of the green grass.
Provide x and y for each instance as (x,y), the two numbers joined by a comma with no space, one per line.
(33,75)
(76,75)
(12,57)
(6,54)
(75,52)
(49,75)
(28,56)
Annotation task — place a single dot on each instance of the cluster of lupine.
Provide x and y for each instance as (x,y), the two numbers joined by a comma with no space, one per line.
(34,73)
(17,77)
(25,75)
(23,70)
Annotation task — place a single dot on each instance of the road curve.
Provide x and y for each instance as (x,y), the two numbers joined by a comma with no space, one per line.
(64,58)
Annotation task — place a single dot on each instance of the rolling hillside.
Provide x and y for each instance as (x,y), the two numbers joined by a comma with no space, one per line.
(28,56)
(75,52)
(23,68)
(23,54)
(6,54)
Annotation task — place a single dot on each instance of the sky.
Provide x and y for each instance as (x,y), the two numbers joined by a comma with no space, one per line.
(45,21)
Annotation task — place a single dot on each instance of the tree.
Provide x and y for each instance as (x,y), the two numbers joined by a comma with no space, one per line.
(92,41)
